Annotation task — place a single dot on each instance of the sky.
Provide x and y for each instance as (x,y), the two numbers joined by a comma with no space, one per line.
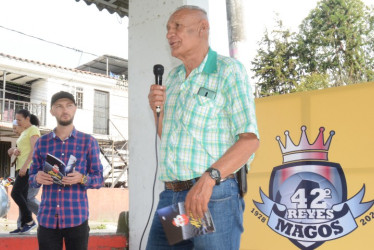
(85,28)
(66,22)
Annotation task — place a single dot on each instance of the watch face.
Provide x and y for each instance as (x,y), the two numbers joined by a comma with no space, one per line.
(215,174)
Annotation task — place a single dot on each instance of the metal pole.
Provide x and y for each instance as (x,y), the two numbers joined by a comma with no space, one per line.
(107,66)
(235,26)
(3,105)
(112,186)
(238,46)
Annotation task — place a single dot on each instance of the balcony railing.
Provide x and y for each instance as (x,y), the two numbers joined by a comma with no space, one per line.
(9,108)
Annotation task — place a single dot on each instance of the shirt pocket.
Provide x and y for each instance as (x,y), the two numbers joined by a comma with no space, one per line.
(199,112)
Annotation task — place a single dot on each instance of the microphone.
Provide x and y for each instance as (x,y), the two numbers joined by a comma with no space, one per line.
(158,70)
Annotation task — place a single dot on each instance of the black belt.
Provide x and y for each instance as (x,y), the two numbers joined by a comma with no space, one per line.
(178,186)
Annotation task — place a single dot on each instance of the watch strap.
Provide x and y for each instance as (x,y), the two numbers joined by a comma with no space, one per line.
(84,179)
(215,176)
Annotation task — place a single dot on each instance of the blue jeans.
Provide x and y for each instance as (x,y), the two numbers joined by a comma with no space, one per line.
(226,207)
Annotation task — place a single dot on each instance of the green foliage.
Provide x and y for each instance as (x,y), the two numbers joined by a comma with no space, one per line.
(275,64)
(334,46)
(101,226)
(313,82)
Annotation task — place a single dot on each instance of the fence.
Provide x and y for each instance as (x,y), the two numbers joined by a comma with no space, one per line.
(9,108)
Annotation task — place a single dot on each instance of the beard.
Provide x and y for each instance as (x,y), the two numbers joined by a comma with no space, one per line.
(65,123)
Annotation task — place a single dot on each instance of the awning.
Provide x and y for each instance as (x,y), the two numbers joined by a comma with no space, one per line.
(121,7)
(106,65)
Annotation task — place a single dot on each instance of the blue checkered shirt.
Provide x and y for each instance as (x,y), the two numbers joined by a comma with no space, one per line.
(67,206)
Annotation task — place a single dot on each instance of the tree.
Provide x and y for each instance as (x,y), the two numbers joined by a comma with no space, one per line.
(337,39)
(334,46)
(275,63)
(313,81)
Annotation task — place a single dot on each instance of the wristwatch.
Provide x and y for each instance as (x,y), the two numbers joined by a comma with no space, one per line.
(84,179)
(215,175)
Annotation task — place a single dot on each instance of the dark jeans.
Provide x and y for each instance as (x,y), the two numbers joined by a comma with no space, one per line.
(76,238)
(19,195)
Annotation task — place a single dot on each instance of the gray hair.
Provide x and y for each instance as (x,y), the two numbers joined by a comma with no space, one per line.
(192,7)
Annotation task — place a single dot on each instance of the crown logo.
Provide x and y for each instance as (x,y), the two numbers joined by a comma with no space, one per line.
(304,150)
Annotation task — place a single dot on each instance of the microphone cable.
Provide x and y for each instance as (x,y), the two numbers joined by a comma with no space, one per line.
(154,181)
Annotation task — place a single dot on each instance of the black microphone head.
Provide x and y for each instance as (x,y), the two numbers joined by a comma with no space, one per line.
(158,70)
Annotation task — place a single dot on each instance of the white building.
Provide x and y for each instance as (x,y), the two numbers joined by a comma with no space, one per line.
(148,46)
(102,105)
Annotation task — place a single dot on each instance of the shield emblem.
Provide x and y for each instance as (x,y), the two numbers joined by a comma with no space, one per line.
(307,200)
(305,187)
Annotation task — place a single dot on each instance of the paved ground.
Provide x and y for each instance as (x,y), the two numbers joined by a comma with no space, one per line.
(95,227)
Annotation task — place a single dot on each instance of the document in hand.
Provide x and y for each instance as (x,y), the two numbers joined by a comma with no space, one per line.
(57,168)
(179,226)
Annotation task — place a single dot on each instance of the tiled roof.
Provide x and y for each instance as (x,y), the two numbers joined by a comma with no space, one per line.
(51,65)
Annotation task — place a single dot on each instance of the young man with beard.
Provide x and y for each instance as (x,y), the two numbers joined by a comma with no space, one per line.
(63,212)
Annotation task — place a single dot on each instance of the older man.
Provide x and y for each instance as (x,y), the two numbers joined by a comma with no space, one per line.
(208,130)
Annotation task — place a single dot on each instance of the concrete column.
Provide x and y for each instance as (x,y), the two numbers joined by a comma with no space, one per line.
(147,46)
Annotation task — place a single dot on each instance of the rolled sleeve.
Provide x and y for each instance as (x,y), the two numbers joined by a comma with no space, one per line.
(242,108)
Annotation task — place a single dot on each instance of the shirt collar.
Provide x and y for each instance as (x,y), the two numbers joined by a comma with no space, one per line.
(210,62)
(72,134)
(208,65)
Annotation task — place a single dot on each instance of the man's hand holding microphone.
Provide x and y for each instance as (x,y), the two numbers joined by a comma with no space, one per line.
(157,96)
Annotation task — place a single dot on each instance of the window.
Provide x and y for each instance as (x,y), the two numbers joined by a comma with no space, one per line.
(101,113)
(79,97)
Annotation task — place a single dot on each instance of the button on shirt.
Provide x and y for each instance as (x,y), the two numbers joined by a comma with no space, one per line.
(67,206)
(204,115)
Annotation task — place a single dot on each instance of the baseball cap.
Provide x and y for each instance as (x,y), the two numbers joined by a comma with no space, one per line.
(60,95)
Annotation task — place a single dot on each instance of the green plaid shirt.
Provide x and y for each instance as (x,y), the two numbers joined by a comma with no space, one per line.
(203,116)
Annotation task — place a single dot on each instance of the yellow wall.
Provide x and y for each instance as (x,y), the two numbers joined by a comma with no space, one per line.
(349,111)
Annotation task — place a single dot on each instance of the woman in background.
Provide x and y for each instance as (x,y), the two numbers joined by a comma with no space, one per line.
(32,202)
(24,151)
